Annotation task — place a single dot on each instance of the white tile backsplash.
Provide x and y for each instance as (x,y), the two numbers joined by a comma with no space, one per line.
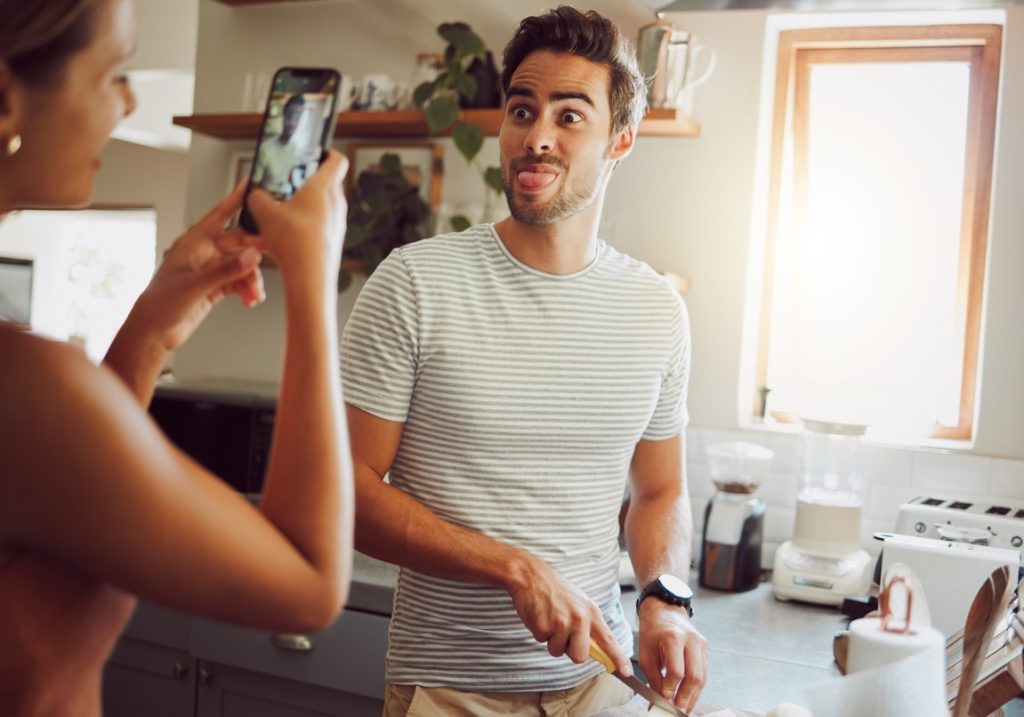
(694,446)
(1008,478)
(778,523)
(787,452)
(779,489)
(711,436)
(882,502)
(952,472)
(891,475)
(698,477)
(888,466)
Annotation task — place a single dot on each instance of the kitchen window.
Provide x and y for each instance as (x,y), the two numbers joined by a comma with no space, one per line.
(878,209)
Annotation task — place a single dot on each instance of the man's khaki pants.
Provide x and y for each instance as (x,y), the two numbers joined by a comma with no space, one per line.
(592,696)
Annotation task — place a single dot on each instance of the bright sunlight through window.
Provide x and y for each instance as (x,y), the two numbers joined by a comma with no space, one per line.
(875,251)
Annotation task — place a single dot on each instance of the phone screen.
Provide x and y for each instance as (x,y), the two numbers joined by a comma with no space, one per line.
(298,125)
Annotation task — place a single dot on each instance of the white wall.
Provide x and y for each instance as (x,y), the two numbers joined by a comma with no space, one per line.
(135,175)
(681,204)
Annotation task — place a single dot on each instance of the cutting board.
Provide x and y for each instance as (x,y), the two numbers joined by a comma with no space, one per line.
(637,707)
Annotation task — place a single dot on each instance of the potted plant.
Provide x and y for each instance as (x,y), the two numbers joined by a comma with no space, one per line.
(385,211)
(468,70)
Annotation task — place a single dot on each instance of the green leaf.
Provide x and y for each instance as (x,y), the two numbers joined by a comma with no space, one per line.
(391,164)
(442,113)
(459,223)
(465,41)
(492,176)
(469,138)
(468,87)
(423,92)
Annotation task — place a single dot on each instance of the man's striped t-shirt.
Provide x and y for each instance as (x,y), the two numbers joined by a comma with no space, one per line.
(523,396)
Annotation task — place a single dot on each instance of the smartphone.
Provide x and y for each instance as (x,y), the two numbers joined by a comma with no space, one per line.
(297,128)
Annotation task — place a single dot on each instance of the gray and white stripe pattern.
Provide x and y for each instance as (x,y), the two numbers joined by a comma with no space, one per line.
(523,396)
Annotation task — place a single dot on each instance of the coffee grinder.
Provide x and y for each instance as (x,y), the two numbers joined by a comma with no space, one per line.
(730,555)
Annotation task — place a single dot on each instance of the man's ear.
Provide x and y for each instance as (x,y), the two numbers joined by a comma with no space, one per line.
(622,145)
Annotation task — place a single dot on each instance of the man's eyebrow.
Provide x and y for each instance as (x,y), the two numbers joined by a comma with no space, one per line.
(583,96)
(514,91)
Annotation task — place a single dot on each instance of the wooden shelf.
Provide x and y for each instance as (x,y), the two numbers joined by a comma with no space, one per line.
(411,123)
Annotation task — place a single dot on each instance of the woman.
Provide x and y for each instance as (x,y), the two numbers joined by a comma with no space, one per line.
(96,506)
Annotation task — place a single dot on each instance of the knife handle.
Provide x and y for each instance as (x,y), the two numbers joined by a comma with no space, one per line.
(601,656)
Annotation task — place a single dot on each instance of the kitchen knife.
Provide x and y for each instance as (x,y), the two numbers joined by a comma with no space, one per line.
(633,683)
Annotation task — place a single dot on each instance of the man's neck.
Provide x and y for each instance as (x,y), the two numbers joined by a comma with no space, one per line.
(564,247)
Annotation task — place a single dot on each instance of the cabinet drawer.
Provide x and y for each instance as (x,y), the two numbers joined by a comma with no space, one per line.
(348,656)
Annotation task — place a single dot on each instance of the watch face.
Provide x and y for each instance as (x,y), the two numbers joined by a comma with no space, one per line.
(676,586)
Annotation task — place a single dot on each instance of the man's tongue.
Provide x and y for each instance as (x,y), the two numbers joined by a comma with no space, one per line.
(536,180)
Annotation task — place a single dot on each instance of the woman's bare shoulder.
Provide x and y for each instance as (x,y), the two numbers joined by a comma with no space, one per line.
(50,388)
(33,368)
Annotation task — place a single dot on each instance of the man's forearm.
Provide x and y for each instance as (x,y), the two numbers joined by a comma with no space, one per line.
(659,529)
(397,528)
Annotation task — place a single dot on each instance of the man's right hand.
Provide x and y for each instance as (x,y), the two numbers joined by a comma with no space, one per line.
(558,613)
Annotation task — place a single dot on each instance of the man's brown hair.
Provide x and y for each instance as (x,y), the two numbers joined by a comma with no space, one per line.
(593,37)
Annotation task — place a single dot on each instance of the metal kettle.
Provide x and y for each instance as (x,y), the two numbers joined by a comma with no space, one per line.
(667,57)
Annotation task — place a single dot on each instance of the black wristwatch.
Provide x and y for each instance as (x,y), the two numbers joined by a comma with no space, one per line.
(669,589)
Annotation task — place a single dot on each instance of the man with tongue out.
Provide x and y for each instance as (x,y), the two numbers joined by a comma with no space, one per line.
(511,381)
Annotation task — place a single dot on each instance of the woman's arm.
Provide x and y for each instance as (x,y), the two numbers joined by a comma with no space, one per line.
(203,266)
(90,479)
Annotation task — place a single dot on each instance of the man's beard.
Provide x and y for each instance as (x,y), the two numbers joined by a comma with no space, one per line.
(569,202)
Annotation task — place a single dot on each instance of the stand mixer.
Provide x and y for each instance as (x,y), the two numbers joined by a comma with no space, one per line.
(824,563)
(730,556)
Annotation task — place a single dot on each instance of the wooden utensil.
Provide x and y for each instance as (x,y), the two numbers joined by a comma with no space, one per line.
(985,612)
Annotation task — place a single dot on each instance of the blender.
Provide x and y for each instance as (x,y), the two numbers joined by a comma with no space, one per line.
(730,554)
(824,563)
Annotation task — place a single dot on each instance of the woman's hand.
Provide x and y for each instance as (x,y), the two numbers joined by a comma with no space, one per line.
(305,233)
(203,266)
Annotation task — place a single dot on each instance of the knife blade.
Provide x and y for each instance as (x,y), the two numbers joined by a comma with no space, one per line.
(633,683)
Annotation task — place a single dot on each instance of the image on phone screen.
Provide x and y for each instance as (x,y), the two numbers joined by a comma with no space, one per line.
(298,126)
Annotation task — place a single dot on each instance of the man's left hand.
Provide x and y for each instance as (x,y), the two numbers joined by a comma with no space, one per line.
(672,653)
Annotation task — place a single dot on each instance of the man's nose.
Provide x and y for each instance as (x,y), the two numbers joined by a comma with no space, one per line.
(540,138)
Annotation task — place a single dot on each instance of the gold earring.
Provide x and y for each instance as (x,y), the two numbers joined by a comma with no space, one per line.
(12,145)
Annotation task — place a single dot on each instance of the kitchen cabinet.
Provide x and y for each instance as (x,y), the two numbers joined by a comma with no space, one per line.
(226,691)
(171,665)
(143,678)
(665,122)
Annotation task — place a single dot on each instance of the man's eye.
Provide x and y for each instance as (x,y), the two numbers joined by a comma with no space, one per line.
(572,117)
(521,112)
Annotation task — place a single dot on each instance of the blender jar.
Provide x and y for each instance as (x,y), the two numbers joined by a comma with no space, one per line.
(830,495)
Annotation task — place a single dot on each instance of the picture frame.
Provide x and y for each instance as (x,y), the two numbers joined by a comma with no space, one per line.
(240,167)
(16,276)
(422,163)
